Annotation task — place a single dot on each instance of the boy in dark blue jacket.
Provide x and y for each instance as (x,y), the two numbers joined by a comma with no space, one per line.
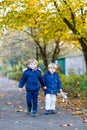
(32,77)
(53,84)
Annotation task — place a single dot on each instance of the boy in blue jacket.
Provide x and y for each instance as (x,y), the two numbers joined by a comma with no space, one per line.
(53,84)
(32,77)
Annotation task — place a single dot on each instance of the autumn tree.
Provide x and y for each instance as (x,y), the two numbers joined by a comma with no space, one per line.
(15,46)
(33,17)
(47,22)
(74,15)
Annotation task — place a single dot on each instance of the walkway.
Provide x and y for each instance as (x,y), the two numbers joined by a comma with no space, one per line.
(13,113)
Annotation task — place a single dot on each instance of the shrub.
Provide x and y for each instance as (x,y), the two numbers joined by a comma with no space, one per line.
(15,75)
(71,84)
(83,86)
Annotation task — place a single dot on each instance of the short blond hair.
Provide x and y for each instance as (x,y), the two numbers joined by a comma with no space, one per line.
(33,60)
(52,65)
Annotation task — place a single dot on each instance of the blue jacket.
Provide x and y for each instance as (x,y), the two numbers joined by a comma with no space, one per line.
(52,82)
(32,78)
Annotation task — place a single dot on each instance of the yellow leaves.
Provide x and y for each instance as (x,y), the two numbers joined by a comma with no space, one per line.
(20,27)
(26,0)
(16,16)
(13,26)
(14,7)
(46,31)
(31,2)
(53,0)
(30,25)
(33,13)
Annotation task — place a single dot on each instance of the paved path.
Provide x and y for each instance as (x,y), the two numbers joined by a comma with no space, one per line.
(13,113)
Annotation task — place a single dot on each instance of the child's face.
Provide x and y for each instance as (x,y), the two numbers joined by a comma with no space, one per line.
(51,70)
(33,65)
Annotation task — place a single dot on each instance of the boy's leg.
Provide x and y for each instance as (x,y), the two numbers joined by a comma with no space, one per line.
(47,103)
(35,102)
(53,103)
(29,101)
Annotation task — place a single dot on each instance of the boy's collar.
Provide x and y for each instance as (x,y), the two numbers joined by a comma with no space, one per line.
(33,69)
(51,73)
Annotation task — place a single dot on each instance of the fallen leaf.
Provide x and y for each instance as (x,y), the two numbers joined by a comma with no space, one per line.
(84,117)
(69,124)
(78,109)
(26,126)
(76,129)
(8,103)
(19,110)
(20,107)
(77,113)
(25,116)
(41,108)
(85,120)
(17,121)
(49,123)
(1,113)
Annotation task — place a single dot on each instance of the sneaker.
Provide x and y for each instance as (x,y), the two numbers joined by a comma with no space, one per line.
(53,112)
(47,112)
(34,114)
(29,111)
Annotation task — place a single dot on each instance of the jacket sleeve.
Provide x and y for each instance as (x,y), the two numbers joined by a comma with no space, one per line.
(41,79)
(59,83)
(44,77)
(22,80)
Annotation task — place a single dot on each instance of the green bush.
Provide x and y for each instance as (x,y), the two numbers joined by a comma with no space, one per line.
(83,86)
(15,75)
(71,84)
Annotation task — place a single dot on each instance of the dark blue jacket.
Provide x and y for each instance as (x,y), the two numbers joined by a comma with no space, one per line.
(52,82)
(32,78)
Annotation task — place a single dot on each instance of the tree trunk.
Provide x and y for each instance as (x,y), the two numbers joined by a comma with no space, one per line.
(84,49)
(43,53)
(37,53)
(56,51)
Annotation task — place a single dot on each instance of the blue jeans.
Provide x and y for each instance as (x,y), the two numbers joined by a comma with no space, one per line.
(32,100)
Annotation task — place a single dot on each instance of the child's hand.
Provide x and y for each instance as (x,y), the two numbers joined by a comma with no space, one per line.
(44,87)
(63,95)
(20,90)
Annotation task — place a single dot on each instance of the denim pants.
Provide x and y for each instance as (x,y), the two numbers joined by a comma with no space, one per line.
(32,100)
